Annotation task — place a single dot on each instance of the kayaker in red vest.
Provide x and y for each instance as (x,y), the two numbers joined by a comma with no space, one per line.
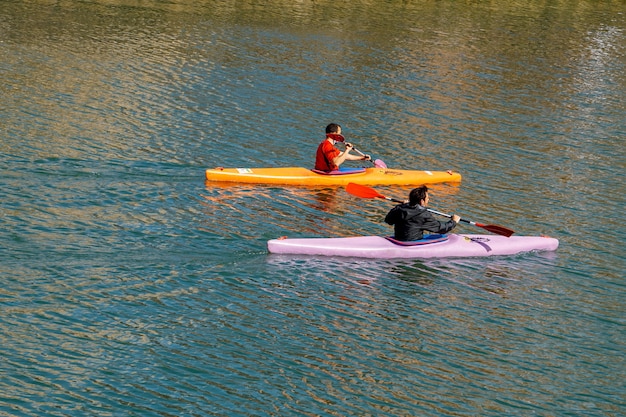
(411,218)
(328,157)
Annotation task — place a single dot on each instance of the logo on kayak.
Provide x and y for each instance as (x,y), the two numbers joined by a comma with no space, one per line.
(477,239)
(390,172)
(244,170)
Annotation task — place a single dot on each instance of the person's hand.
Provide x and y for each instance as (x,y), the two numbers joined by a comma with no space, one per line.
(456,218)
(348,145)
(367,158)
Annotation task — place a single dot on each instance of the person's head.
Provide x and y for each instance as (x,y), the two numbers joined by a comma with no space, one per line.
(419,196)
(333,128)
(333,131)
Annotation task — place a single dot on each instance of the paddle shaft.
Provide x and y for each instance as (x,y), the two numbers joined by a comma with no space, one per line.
(450,216)
(377,163)
(362,154)
(493,228)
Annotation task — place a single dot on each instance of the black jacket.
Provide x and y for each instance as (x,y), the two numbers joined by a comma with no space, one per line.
(409,222)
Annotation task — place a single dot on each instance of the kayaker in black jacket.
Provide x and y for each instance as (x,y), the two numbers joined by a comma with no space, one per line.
(411,218)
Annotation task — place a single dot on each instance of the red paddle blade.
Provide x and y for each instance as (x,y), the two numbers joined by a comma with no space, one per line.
(363,191)
(499,230)
(336,137)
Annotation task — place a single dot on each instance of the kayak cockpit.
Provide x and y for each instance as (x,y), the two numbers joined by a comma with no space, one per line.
(426,240)
(340,171)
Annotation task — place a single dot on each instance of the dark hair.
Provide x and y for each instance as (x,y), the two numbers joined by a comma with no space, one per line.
(332,128)
(417,195)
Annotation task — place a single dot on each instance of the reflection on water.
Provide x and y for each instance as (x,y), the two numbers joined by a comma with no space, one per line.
(304,211)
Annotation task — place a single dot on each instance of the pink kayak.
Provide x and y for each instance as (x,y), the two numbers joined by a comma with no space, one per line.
(452,245)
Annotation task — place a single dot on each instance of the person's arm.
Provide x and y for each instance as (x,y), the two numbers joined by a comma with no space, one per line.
(347,156)
(392,216)
(343,156)
(351,157)
(436,226)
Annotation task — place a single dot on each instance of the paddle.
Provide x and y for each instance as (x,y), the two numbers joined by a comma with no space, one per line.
(367,192)
(377,163)
(337,137)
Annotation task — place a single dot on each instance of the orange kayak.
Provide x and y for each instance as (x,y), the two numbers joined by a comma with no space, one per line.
(304,176)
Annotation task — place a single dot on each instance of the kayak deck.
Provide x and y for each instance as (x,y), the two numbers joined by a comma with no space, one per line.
(304,176)
(379,247)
